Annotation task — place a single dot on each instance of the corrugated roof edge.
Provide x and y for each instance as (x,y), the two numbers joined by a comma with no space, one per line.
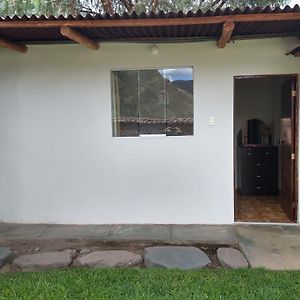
(158,15)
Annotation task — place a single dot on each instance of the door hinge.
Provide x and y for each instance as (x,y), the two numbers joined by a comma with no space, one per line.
(293,156)
(294,93)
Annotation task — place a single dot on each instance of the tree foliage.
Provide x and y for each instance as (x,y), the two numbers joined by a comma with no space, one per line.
(74,7)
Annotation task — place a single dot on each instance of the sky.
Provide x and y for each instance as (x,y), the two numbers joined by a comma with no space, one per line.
(294,2)
(177,74)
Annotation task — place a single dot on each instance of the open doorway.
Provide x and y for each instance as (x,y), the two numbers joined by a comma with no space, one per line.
(265,147)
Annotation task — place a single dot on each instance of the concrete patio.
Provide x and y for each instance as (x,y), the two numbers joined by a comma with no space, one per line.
(272,247)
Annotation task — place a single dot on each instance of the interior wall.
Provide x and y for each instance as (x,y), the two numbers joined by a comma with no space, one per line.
(60,164)
(254,99)
(259,98)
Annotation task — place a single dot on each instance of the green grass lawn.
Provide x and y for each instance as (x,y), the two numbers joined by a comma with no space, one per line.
(151,284)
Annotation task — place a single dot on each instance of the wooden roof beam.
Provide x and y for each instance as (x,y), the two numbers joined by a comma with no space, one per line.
(13,46)
(295,52)
(78,37)
(226,35)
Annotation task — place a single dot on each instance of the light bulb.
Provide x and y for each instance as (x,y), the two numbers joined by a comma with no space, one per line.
(154,49)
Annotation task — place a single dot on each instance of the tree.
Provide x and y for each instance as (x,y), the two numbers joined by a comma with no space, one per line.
(39,7)
(74,7)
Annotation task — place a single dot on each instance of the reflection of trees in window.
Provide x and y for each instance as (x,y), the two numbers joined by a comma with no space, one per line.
(150,102)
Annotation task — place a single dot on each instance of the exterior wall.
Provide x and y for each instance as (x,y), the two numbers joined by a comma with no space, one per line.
(60,164)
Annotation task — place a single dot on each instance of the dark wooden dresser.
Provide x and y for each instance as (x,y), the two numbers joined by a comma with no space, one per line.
(257,170)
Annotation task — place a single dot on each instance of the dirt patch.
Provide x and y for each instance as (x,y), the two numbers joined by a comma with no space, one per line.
(21,247)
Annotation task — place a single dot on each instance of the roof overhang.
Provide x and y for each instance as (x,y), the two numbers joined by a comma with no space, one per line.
(220,25)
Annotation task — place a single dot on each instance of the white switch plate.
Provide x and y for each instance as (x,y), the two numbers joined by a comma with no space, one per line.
(211,121)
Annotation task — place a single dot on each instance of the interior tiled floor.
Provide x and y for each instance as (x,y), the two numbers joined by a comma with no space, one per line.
(259,209)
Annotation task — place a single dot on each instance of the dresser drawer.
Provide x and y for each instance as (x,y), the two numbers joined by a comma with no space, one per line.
(258,170)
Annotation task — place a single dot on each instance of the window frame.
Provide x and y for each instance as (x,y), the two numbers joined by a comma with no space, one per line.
(112,99)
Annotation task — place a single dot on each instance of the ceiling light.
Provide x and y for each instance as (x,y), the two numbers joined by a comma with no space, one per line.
(153,49)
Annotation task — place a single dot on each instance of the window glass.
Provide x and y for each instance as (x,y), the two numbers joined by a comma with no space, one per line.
(125,104)
(154,101)
(180,110)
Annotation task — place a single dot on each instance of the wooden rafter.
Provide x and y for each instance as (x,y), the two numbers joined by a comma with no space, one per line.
(13,46)
(226,35)
(295,52)
(154,22)
(78,37)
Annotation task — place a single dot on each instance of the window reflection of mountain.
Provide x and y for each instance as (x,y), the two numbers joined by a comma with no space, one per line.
(153,91)
(186,85)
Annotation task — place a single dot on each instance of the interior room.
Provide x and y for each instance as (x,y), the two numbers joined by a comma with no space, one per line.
(265,159)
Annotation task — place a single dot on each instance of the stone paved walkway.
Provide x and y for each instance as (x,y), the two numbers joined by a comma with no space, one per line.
(271,247)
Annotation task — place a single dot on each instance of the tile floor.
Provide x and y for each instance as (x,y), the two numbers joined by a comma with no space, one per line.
(259,209)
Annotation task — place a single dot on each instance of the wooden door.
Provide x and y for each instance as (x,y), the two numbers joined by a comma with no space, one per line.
(287,148)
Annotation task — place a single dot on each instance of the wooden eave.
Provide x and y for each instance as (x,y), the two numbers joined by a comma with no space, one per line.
(88,30)
(184,21)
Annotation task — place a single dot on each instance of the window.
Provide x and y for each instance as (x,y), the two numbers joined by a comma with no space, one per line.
(153,101)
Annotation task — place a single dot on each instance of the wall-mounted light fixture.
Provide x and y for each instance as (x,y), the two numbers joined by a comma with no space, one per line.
(153,49)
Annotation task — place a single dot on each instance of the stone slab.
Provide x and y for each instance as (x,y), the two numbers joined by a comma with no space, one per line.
(41,261)
(175,257)
(270,247)
(84,251)
(5,255)
(231,258)
(109,258)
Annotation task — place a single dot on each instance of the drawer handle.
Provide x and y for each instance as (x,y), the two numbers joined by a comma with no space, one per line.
(268,153)
(258,165)
(258,187)
(258,176)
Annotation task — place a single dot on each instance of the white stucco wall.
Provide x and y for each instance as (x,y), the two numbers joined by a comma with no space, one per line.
(60,164)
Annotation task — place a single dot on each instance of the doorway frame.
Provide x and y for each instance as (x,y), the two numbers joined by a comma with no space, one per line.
(296,139)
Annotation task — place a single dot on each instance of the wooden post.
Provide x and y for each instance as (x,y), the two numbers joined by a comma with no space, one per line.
(12,46)
(226,35)
(78,37)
